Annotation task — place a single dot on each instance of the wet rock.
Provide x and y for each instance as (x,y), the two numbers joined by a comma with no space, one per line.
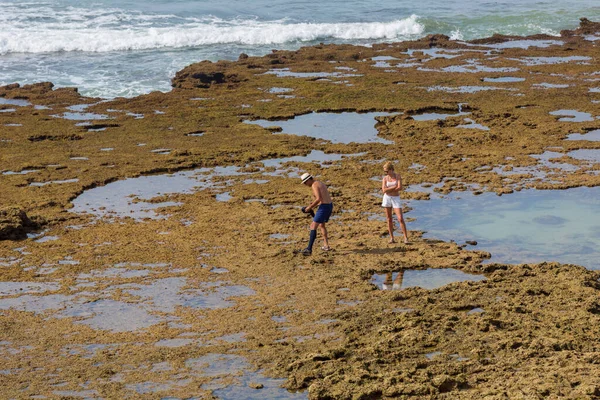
(255,385)
(14,224)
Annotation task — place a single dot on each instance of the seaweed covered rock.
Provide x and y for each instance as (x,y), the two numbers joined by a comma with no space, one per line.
(14,223)
(204,74)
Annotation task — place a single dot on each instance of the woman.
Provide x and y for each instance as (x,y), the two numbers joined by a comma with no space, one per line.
(391,186)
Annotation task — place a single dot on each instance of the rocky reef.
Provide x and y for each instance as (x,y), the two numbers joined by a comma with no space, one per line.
(170,219)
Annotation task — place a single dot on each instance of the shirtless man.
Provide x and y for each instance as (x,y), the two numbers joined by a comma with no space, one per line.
(323,200)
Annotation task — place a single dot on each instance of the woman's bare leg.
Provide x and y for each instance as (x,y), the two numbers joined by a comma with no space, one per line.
(390,223)
(398,212)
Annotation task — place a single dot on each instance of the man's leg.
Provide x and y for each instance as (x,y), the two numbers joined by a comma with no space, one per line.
(324,233)
(313,235)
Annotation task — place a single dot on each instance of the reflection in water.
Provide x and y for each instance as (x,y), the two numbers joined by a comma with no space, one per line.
(528,226)
(394,284)
(427,279)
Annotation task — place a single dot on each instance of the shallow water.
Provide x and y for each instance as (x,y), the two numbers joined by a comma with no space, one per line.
(129,197)
(426,279)
(227,365)
(345,127)
(435,116)
(471,124)
(504,79)
(592,155)
(526,226)
(592,136)
(552,60)
(572,116)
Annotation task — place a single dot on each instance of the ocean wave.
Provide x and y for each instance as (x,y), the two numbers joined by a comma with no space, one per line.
(79,36)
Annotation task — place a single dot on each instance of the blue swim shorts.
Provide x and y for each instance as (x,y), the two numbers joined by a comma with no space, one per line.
(323,213)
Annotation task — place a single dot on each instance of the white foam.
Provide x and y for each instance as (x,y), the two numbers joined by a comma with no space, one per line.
(105,30)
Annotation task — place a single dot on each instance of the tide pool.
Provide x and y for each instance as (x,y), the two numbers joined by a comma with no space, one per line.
(524,227)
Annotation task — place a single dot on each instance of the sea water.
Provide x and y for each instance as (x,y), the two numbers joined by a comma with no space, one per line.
(111,48)
(529,226)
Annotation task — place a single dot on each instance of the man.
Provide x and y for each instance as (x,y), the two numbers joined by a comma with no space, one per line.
(323,200)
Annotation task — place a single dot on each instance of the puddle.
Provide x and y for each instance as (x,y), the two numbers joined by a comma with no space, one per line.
(117,198)
(345,127)
(476,310)
(280,90)
(154,300)
(401,310)
(80,107)
(324,159)
(130,197)
(523,44)
(124,273)
(236,367)
(550,60)
(14,102)
(46,239)
(36,304)
(12,288)
(573,116)
(22,172)
(504,79)
(592,136)
(435,116)
(432,355)
(426,279)
(111,315)
(286,73)
(473,125)
(464,89)
(523,227)
(545,85)
(586,155)
(436,52)
(279,236)
(76,116)
(161,151)
(472,66)
(40,184)
(134,115)
(535,171)
(223,196)
(174,342)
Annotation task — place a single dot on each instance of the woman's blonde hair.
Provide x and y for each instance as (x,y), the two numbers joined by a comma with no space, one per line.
(388,166)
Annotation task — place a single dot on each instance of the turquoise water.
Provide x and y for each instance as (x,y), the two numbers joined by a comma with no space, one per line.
(112,48)
(526,226)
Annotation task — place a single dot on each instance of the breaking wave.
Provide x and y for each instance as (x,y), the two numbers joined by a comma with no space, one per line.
(111,30)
